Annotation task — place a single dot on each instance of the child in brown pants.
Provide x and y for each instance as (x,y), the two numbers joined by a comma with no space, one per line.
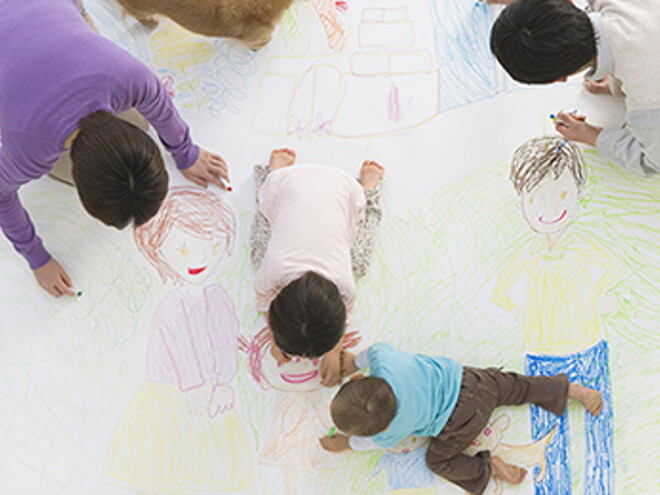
(413,394)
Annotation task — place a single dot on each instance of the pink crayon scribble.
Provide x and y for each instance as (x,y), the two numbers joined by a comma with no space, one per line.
(317,127)
(394,104)
(168,82)
(342,6)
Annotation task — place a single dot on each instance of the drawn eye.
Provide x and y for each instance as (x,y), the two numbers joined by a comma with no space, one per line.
(531,199)
(563,195)
(183,249)
(487,431)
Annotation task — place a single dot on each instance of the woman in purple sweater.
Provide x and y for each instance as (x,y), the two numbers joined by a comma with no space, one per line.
(61,86)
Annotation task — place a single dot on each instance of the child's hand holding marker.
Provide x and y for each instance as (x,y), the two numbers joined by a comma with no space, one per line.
(574,126)
(335,442)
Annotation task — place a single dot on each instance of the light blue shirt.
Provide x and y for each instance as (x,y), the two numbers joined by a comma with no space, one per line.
(426,390)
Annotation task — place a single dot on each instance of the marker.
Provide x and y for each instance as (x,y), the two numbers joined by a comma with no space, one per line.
(555,119)
(332,432)
(225,182)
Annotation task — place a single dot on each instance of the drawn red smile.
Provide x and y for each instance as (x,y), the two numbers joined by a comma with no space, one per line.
(556,220)
(299,377)
(196,271)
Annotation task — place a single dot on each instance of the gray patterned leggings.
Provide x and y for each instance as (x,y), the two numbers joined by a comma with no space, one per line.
(362,248)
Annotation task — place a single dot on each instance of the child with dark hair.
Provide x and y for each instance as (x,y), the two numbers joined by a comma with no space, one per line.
(312,237)
(544,41)
(413,394)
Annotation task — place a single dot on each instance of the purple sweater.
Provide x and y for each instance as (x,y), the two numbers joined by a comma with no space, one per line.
(54,70)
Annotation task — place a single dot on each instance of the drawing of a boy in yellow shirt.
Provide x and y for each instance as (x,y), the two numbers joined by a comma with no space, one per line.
(564,274)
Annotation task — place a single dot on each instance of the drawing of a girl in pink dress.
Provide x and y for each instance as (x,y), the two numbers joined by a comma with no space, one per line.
(181,431)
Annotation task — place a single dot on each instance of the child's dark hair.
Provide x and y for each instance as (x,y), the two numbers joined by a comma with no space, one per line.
(308,316)
(541,41)
(118,171)
(363,406)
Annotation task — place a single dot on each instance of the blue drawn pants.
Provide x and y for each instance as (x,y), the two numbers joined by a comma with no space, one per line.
(591,369)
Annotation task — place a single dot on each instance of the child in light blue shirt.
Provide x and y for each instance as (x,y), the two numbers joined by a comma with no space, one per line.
(413,394)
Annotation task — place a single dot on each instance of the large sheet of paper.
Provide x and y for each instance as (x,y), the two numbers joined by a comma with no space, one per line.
(87,403)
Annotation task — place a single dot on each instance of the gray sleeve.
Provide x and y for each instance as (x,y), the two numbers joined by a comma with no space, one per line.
(635,147)
(363,443)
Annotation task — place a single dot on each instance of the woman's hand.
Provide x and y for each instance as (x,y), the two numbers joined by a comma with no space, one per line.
(54,279)
(209,168)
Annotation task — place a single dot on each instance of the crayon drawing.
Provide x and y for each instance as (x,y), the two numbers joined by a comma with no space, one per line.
(181,430)
(388,76)
(154,380)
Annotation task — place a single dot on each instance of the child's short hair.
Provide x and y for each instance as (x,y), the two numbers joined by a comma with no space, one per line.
(537,157)
(363,406)
(541,41)
(308,316)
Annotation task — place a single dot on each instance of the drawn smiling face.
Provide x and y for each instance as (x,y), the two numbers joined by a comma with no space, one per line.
(193,257)
(552,204)
(296,375)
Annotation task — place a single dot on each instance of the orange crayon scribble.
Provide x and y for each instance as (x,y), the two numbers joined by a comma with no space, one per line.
(333,25)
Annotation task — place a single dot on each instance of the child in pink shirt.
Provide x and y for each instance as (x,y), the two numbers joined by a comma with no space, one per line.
(312,237)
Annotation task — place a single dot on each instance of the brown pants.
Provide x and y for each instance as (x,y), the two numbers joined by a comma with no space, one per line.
(482,391)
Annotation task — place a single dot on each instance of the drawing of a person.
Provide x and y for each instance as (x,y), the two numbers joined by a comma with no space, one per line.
(564,274)
(181,431)
(300,415)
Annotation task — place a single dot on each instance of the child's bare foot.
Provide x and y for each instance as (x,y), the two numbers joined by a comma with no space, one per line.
(601,87)
(370,174)
(281,158)
(507,472)
(591,399)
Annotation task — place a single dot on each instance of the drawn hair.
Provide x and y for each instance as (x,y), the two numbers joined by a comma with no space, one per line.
(363,406)
(195,211)
(541,41)
(308,316)
(260,344)
(537,157)
(118,170)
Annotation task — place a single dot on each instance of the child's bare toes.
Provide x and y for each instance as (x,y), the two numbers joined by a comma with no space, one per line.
(509,473)
(591,399)
(371,173)
(282,157)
